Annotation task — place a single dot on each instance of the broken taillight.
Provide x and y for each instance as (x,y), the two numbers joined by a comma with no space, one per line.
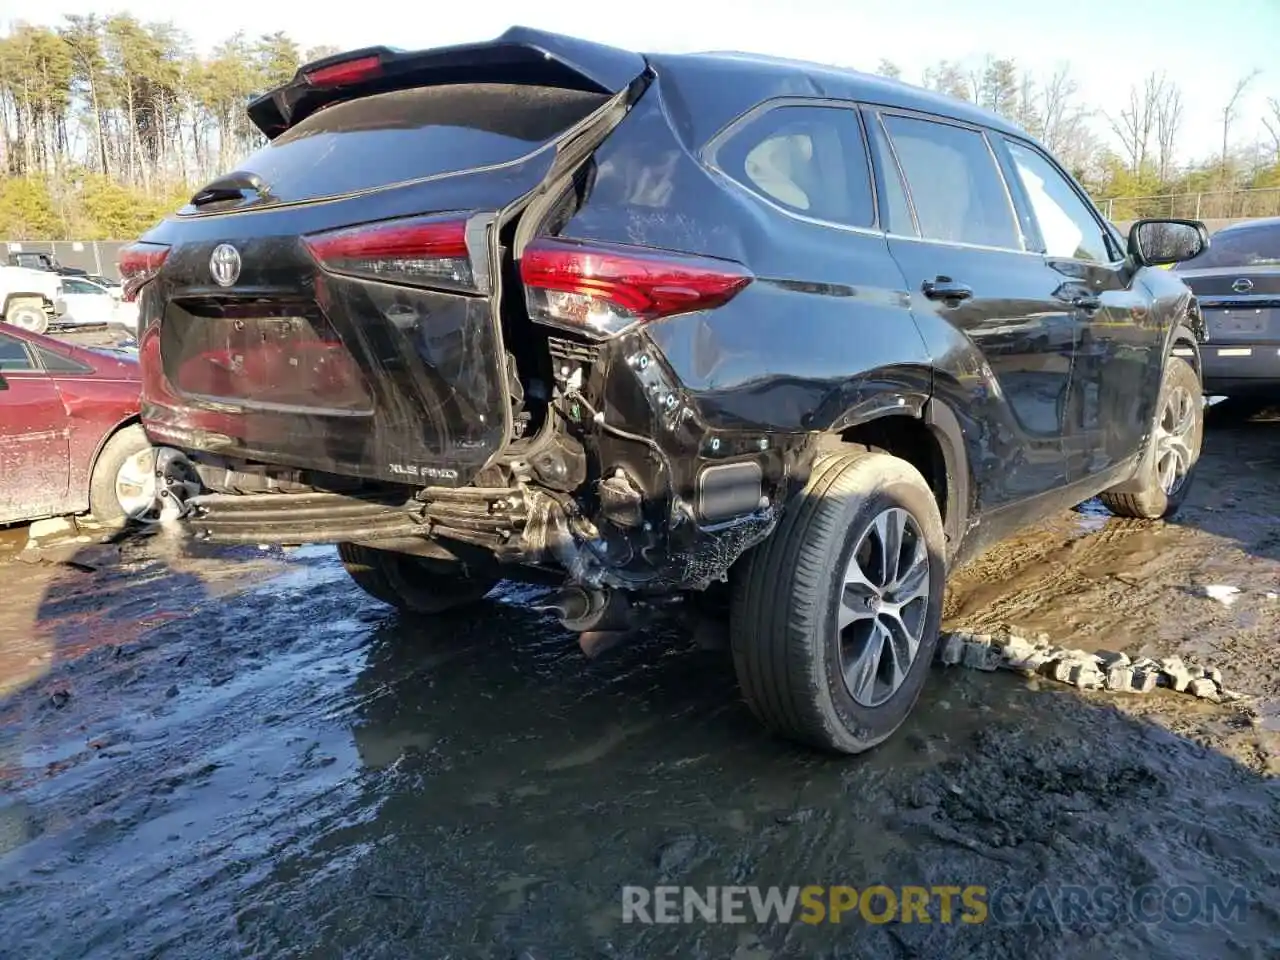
(420,251)
(601,289)
(138,263)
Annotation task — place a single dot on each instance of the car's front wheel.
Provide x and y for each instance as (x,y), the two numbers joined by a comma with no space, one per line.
(133,481)
(835,618)
(27,314)
(408,583)
(1167,471)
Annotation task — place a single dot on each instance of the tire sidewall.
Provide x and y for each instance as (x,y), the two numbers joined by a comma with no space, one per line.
(103,502)
(866,726)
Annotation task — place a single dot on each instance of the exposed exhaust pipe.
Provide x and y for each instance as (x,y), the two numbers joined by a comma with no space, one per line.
(589,610)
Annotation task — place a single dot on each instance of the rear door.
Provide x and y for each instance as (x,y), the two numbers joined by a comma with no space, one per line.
(336,303)
(33,437)
(990,312)
(1121,341)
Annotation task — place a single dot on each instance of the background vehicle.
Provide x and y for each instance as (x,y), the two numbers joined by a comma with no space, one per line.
(70,440)
(42,261)
(89,303)
(644,326)
(1237,282)
(30,299)
(111,286)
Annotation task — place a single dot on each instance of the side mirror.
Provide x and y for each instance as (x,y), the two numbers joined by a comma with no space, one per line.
(1156,243)
(4,384)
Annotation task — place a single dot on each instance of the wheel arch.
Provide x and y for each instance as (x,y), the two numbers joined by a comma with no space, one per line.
(28,295)
(107,435)
(925,432)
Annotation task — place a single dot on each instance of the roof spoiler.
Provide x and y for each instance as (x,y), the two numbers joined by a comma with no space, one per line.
(521,55)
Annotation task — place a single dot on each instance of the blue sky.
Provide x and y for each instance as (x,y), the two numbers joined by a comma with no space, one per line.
(1109,43)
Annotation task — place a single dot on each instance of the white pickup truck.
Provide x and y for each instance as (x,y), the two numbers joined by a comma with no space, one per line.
(30,299)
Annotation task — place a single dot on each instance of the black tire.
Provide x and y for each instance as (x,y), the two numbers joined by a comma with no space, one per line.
(404,582)
(787,648)
(104,503)
(27,314)
(1157,499)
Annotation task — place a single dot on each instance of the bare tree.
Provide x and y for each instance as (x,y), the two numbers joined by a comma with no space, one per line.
(1136,122)
(887,68)
(1230,110)
(1272,124)
(1168,123)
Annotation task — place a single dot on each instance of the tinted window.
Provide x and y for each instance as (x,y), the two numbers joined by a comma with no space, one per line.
(1067,228)
(57,363)
(392,137)
(810,160)
(1240,247)
(955,184)
(79,286)
(14,355)
(895,214)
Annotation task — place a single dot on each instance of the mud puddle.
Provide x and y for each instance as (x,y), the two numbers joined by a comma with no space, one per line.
(242,756)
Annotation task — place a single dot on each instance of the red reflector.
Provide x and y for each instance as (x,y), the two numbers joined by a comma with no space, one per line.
(423,251)
(138,263)
(605,288)
(339,74)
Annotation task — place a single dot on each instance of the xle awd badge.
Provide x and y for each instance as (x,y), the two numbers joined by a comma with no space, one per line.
(224,265)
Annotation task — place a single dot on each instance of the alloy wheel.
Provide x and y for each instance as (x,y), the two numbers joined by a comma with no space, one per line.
(883,606)
(1174,432)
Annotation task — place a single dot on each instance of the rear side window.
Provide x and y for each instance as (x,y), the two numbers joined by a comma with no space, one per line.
(1250,246)
(57,363)
(407,134)
(810,160)
(956,187)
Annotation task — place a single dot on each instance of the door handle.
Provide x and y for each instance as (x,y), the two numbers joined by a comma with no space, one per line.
(1087,304)
(944,288)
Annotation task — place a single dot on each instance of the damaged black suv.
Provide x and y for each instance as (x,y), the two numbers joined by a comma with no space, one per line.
(777,341)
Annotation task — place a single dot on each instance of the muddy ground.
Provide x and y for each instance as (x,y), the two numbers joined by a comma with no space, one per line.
(239,754)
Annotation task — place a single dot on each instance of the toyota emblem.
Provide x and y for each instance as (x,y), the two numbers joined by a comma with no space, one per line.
(1243,285)
(224,265)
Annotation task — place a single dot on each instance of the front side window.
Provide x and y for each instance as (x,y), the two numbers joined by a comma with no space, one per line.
(14,354)
(809,160)
(955,184)
(1067,227)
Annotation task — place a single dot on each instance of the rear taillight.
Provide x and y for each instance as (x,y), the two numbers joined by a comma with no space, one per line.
(347,72)
(601,289)
(138,263)
(422,251)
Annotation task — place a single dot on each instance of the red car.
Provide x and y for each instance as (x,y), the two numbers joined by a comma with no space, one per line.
(70,440)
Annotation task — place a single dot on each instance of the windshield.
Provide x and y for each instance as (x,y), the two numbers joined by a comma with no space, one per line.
(1252,246)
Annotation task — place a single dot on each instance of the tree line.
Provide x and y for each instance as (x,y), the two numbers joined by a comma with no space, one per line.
(107,123)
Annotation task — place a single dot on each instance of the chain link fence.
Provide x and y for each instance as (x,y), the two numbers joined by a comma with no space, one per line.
(1211,205)
(96,257)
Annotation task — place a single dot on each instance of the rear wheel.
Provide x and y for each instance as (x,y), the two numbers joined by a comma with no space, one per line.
(1178,434)
(27,314)
(835,618)
(407,583)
